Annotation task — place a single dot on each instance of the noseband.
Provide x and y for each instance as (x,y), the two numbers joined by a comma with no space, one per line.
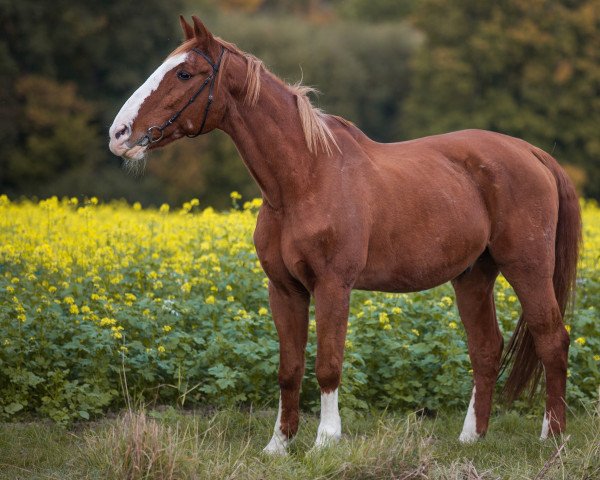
(150,137)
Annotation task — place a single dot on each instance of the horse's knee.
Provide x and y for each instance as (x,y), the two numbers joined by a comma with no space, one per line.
(329,374)
(554,349)
(551,343)
(290,375)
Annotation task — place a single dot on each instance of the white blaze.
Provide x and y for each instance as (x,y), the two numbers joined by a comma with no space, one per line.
(469,431)
(330,427)
(130,109)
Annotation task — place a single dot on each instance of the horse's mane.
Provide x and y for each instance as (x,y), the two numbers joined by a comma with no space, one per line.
(313,120)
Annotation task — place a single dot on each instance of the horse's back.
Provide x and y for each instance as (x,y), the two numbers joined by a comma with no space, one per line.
(491,159)
(505,172)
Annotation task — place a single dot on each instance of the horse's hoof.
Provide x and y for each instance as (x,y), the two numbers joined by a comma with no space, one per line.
(327,437)
(468,437)
(276,447)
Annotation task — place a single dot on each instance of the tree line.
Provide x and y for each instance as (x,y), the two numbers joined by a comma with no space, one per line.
(398,70)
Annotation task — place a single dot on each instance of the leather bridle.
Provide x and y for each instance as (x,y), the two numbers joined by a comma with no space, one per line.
(149,138)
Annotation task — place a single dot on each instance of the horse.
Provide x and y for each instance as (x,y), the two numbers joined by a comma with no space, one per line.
(342,212)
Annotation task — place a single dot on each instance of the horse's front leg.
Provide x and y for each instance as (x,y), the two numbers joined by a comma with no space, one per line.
(332,300)
(289,306)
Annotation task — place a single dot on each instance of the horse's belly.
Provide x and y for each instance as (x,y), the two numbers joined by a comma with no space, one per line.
(418,255)
(402,277)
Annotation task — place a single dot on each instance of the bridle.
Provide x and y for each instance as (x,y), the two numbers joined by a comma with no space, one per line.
(150,138)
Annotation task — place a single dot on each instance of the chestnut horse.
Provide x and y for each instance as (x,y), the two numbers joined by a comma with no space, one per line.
(343,212)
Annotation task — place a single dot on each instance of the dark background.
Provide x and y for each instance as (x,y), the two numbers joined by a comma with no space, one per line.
(399,70)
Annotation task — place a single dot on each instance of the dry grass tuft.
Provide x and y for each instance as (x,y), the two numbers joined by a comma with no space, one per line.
(137,447)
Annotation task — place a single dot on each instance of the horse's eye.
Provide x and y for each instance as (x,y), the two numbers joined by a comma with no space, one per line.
(183,75)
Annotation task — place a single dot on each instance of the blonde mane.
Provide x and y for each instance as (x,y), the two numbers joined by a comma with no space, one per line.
(317,133)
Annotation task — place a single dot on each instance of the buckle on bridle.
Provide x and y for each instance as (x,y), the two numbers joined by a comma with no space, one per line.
(150,135)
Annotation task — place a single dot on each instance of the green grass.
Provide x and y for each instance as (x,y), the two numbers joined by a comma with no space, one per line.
(227,444)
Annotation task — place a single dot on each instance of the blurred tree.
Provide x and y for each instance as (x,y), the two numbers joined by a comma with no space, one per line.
(295,7)
(55,54)
(375,10)
(101,46)
(526,68)
(9,109)
(249,6)
(58,132)
(207,167)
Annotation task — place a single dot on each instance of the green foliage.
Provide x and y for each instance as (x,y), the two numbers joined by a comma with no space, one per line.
(528,69)
(176,305)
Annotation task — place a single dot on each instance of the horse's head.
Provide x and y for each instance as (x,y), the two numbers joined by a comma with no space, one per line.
(176,100)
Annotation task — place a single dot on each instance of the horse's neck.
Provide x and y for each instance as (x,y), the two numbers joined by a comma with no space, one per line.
(271,141)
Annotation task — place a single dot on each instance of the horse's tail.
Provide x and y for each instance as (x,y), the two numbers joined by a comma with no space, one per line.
(525,368)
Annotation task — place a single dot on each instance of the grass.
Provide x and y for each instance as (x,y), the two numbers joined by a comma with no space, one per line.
(227,444)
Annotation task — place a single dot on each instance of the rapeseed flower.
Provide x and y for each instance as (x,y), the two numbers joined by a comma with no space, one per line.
(143,275)
(446,301)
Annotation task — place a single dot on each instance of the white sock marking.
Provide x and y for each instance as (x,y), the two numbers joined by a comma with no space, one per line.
(545,427)
(469,431)
(279,442)
(330,427)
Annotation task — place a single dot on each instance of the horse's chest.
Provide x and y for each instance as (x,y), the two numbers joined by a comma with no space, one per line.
(300,249)
(306,252)
(314,249)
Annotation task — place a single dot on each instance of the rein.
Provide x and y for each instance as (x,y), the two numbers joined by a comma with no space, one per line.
(150,138)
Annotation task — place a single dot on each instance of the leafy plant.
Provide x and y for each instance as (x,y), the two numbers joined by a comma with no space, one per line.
(176,302)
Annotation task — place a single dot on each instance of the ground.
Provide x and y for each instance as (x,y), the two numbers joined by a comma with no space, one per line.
(227,444)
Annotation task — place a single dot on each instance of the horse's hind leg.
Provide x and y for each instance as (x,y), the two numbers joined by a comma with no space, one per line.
(543,319)
(475,300)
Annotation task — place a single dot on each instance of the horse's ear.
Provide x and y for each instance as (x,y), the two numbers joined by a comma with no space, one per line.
(201,32)
(188,31)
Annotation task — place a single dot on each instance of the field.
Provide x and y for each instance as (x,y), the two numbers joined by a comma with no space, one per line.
(226,445)
(175,301)
(106,304)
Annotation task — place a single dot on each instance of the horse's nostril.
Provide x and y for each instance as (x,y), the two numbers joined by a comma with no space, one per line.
(124,129)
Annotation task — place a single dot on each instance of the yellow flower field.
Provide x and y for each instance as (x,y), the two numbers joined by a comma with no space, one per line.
(175,300)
